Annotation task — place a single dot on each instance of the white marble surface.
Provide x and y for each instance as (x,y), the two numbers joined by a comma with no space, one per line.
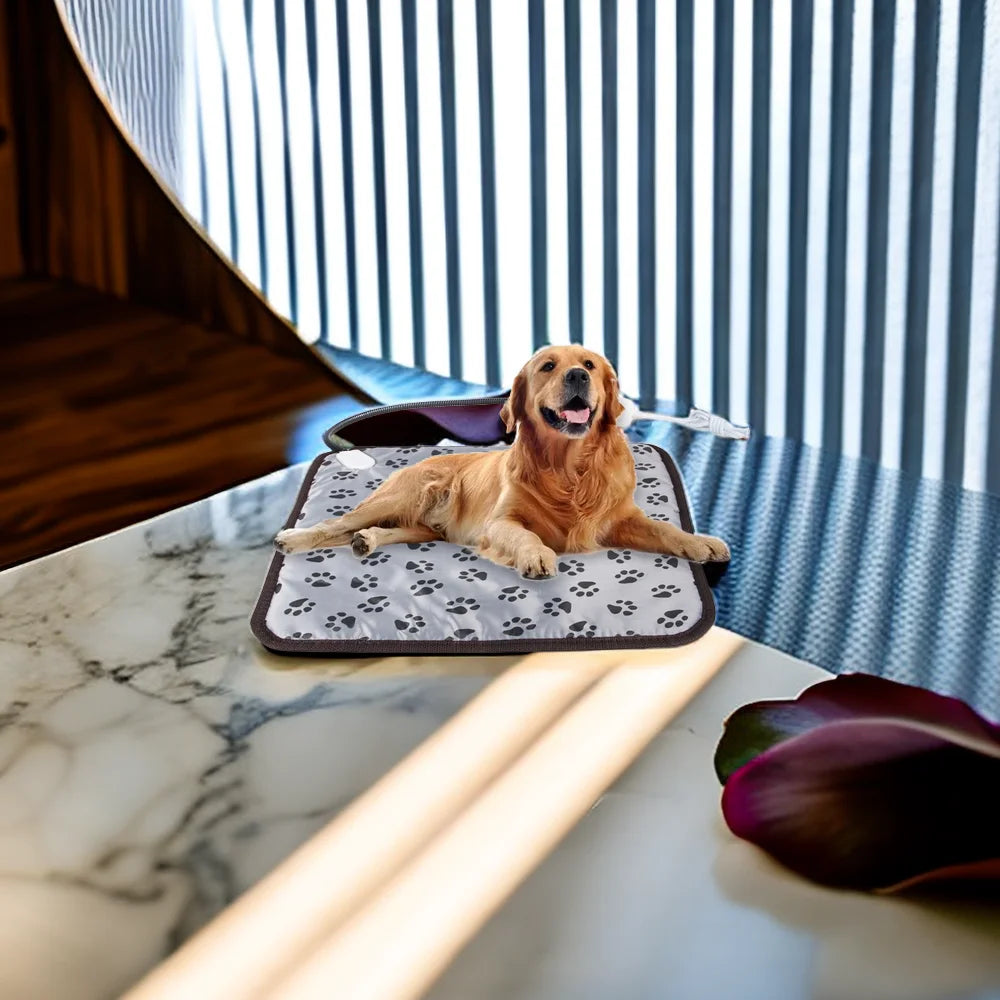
(154,759)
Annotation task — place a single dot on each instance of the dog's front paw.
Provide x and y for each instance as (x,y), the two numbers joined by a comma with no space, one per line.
(294,540)
(706,548)
(362,543)
(539,564)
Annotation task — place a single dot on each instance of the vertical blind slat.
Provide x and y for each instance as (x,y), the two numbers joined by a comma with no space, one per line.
(722,179)
(227,118)
(759,210)
(574,176)
(880,124)
(925,57)
(446,58)
(539,213)
(801,92)
(258,157)
(836,249)
(312,61)
(487,167)
(993,433)
(293,289)
(347,153)
(970,60)
(685,124)
(609,141)
(646,207)
(413,180)
(378,157)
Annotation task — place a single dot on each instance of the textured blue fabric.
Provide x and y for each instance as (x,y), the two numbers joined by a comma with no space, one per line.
(838,561)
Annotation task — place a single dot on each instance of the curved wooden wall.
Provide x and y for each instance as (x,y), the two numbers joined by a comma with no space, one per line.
(89,209)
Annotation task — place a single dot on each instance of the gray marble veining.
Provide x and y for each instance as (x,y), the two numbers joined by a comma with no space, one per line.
(155,761)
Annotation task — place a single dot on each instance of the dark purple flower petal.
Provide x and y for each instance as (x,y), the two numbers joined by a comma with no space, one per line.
(866,784)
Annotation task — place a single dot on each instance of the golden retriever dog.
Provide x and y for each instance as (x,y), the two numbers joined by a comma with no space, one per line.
(566,484)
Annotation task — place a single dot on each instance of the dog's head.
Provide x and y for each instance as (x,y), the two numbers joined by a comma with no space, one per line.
(564,391)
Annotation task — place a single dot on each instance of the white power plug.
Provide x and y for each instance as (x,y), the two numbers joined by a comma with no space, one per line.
(696,420)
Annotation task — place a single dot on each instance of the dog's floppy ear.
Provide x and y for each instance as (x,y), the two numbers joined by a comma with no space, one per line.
(513,409)
(613,407)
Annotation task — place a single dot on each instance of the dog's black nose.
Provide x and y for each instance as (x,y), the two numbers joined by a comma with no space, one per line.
(577,376)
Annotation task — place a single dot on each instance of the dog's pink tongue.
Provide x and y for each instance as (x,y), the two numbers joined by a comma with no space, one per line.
(575,416)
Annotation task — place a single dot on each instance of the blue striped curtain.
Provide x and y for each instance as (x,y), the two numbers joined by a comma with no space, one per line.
(782,210)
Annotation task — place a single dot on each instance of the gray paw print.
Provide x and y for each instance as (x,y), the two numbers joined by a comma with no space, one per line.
(425,587)
(557,607)
(465,555)
(518,626)
(340,620)
(657,498)
(666,562)
(321,555)
(464,633)
(626,608)
(337,509)
(629,575)
(468,575)
(619,557)
(420,546)
(373,484)
(364,583)
(584,629)
(300,606)
(672,619)
(462,606)
(342,475)
(419,565)
(320,579)
(376,559)
(410,623)
(339,494)
(374,605)
(585,588)
(302,635)
(513,594)
(571,567)
(394,463)
(665,590)
(648,482)
(644,467)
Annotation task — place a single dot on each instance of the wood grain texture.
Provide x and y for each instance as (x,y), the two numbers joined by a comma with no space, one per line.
(112,412)
(11,259)
(94,213)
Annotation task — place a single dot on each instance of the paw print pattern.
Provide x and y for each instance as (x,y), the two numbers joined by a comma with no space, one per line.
(339,509)
(339,494)
(465,555)
(462,606)
(419,565)
(302,635)
(672,619)
(376,559)
(518,626)
(320,579)
(649,481)
(373,484)
(666,562)
(364,583)
(374,605)
(657,499)
(557,607)
(464,633)
(659,515)
(571,567)
(584,630)
(665,590)
(410,624)
(619,557)
(626,608)
(321,555)
(423,587)
(585,588)
(644,467)
(277,588)
(394,463)
(420,546)
(513,594)
(468,575)
(343,475)
(629,575)
(300,606)
(412,450)
(339,621)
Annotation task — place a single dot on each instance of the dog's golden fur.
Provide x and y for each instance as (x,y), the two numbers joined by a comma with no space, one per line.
(565,485)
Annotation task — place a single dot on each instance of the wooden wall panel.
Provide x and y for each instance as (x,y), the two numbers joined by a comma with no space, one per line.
(11,260)
(95,214)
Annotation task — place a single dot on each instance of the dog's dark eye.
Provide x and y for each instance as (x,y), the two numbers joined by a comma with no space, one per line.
(548,366)
(589,364)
